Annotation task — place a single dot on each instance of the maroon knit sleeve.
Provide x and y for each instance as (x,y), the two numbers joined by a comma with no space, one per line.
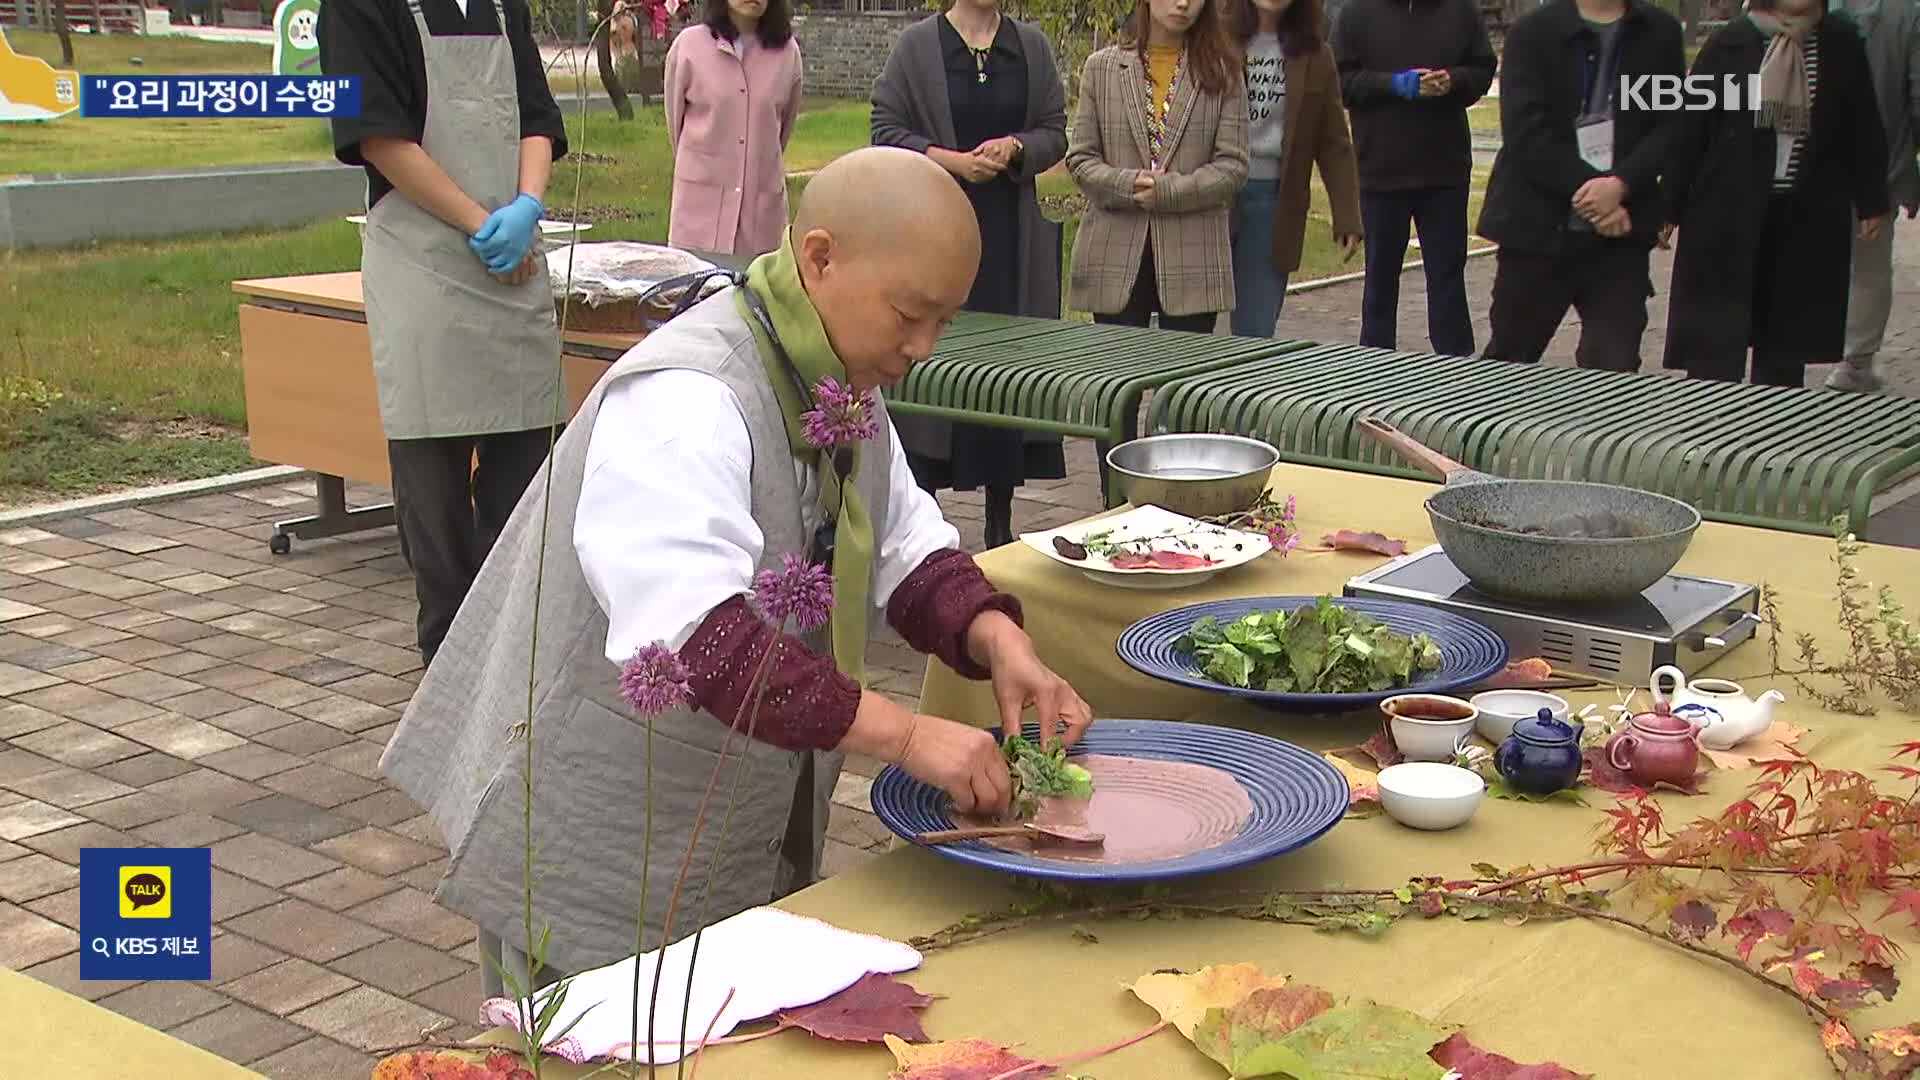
(934,606)
(807,704)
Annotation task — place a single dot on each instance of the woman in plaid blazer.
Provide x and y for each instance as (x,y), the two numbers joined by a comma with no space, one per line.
(1159,149)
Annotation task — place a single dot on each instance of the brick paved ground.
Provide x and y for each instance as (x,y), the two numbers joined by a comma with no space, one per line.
(166,681)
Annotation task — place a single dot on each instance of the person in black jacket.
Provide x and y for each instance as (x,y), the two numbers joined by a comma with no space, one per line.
(1409,70)
(1765,202)
(1574,201)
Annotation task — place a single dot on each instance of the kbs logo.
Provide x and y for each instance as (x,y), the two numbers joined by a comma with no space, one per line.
(1689,93)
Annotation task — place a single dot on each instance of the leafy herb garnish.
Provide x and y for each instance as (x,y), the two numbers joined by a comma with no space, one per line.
(1042,774)
(1322,648)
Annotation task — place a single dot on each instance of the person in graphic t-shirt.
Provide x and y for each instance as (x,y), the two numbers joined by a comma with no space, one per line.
(1295,121)
(1574,200)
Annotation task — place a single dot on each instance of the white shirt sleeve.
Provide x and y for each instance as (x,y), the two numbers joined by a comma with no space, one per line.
(664,530)
(916,528)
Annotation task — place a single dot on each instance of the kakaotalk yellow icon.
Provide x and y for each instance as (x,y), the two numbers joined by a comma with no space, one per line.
(32,89)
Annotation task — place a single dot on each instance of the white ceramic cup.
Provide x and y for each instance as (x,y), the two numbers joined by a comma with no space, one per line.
(1501,709)
(1419,732)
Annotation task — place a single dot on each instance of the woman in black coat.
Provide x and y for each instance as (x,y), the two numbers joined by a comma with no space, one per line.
(1766,202)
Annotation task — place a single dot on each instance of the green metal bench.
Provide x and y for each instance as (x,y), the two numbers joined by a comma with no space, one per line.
(1062,378)
(1778,458)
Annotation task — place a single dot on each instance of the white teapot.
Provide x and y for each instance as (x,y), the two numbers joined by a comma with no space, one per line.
(1719,708)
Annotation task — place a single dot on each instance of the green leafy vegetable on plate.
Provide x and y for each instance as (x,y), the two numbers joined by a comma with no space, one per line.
(1320,648)
(1042,774)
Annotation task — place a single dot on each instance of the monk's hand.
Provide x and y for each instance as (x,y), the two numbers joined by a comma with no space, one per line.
(1614,225)
(1870,227)
(1349,245)
(959,759)
(1021,681)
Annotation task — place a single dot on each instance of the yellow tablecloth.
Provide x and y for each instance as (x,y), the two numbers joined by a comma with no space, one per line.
(1596,998)
(57,1036)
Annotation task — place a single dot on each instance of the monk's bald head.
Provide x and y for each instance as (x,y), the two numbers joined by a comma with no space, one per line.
(888,247)
(886,200)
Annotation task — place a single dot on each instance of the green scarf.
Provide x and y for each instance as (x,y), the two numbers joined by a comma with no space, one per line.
(775,279)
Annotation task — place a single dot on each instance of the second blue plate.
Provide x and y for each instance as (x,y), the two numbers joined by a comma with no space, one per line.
(1469,652)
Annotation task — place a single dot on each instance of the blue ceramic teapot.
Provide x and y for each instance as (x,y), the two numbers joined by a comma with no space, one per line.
(1542,755)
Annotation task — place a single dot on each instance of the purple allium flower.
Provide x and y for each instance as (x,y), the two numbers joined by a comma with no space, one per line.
(841,416)
(654,680)
(800,590)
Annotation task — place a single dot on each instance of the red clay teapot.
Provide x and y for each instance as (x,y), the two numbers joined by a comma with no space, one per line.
(1656,746)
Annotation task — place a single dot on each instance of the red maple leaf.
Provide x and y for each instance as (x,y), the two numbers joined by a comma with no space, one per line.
(1693,919)
(868,1011)
(1472,1063)
(1378,543)
(1905,748)
(961,1059)
(1908,901)
(1846,993)
(1382,749)
(1879,976)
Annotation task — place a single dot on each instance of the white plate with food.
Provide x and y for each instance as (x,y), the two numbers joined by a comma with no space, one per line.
(1148,548)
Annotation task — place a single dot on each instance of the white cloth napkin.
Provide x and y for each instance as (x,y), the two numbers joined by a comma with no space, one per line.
(768,958)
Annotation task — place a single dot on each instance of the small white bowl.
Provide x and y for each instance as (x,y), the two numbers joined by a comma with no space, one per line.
(1501,709)
(1429,795)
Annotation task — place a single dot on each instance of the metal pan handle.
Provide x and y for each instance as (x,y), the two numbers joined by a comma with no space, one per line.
(1433,461)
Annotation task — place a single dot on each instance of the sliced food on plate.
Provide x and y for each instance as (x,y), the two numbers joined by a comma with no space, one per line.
(1148,541)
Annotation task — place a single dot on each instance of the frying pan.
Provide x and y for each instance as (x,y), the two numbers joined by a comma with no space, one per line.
(1558,541)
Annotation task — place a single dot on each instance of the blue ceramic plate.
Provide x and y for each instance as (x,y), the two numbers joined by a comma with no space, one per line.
(1469,652)
(1296,795)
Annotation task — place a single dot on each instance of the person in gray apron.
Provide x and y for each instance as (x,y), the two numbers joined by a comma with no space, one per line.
(458,131)
(685,475)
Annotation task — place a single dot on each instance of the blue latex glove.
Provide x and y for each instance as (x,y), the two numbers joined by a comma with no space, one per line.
(1407,84)
(503,242)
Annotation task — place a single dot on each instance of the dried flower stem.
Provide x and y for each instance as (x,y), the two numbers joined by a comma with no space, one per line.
(1608,866)
(694,1073)
(1085,1055)
(680,880)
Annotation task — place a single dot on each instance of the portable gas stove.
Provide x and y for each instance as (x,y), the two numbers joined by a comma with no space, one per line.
(1682,620)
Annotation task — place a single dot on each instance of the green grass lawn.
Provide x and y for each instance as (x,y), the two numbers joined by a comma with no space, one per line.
(120,362)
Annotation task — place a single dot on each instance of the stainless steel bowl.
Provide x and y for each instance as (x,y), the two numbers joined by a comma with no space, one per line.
(1196,475)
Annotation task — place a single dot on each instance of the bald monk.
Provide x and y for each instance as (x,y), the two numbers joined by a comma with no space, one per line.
(681,477)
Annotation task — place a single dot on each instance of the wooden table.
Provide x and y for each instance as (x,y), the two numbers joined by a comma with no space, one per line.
(311,401)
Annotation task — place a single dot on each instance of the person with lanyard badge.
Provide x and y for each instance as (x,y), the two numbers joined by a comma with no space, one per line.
(1159,149)
(1575,200)
(1892,32)
(978,92)
(458,133)
(1296,120)
(686,481)
(1765,201)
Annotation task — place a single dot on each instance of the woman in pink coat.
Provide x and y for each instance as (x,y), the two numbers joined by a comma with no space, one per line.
(733,87)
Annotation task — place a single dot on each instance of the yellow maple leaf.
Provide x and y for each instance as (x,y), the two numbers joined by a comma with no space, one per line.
(1181,1000)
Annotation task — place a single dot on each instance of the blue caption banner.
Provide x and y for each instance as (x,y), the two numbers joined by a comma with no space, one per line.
(219,96)
(146,913)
